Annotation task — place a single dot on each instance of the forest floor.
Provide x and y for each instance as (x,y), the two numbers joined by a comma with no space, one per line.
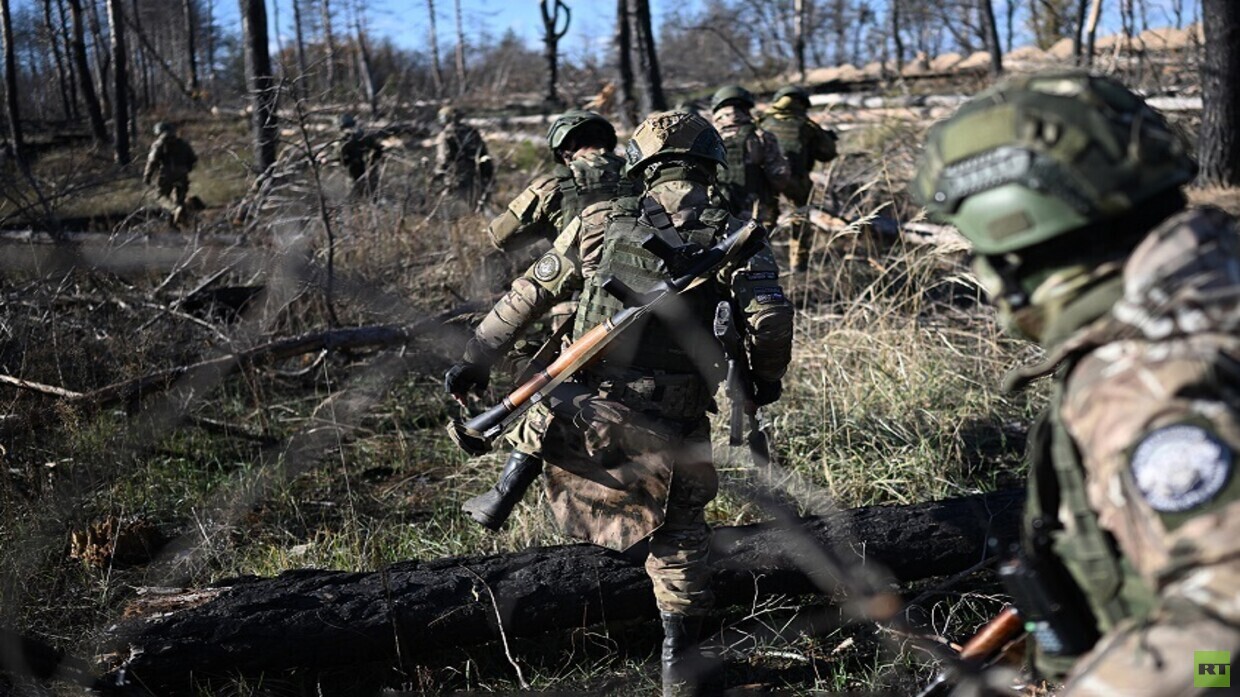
(892,398)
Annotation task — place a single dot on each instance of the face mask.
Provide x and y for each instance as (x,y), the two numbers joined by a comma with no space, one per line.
(1027,308)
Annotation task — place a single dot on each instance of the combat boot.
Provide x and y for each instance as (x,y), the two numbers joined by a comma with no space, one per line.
(491,509)
(687,671)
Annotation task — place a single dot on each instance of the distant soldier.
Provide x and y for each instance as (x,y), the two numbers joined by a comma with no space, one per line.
(588,172)
(462,164)
(172,159)
(804,143)
(757,169)
(1068,186)
(360,153)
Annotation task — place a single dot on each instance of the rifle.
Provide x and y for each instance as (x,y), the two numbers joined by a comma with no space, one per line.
(986,647)
(687,264)
(740,389)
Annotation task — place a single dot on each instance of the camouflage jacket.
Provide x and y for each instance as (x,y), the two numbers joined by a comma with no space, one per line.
(170,157)
(757,169)
(358,149)
(804,143)
(1151,403)
(461,157)
(546,206)
(628,435)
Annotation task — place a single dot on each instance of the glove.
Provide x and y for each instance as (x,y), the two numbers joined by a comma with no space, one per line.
(466,377)
(767,391)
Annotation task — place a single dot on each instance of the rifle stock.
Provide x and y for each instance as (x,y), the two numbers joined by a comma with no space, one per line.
(981,650)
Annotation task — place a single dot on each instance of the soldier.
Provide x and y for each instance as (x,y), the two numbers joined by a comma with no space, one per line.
(1069,188)
(588,172)
(172,159)
(757,169)
(360,153)
(803,142)
(462,164)
(629,456)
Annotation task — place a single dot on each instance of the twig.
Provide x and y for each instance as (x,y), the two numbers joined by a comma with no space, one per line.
(499,623)
(40,387)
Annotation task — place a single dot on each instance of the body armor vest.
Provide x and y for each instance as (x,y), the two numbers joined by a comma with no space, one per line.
(589,180)
(743,181)
(1112,588)
(651,345)
(790,133)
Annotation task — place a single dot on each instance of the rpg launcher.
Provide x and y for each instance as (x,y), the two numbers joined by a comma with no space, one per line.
(687,266)
(984,649)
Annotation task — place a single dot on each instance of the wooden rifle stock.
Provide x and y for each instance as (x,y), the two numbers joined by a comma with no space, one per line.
(983,649)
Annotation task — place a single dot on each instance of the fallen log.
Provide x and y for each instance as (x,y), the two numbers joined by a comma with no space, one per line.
(318,620)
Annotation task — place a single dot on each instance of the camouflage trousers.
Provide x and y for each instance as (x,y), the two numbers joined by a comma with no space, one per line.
(174,189)
(616,477)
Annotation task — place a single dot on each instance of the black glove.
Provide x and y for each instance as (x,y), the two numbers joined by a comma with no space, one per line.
(767,391)
(465,377)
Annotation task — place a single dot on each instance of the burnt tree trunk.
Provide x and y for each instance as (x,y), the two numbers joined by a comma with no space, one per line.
(191,29)
(991,30)
(261,84)
(1219,144)
(319,620)
(329,41)
(120,97)
(626,100)
(652,78)
(798,38)
(895,36)
(436,66)
(86,85)
(552,33)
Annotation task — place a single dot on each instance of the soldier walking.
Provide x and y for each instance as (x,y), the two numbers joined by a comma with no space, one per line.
(587,172)
(1069,187)
(462,165)
(803,143)
(629,455)
(171,159)
(360,152)
(757,170)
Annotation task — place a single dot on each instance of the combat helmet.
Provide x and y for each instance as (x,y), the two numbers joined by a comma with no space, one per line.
(448,114)
(668,134)
(162,127)
(731,94)
(1039,156)
(580,121)
(346,121)
(795,92)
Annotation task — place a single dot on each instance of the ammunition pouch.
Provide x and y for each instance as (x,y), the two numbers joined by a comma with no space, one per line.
(681,397)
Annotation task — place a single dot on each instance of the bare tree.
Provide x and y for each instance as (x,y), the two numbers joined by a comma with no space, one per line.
(990,31)
(798,40)
(329,42)
(261,84)
(1091,31)
(460,50)
(363,60)
(1219,144)
(120,98)
(191,28)
(652,80)
(85,82)
(626,100)
(66,95)
(299,36)
(436,66)
(894,12)
(552,33)
(66,38)
(10,82)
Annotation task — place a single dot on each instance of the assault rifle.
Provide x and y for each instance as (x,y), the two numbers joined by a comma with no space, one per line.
(687,266)
(744,424)
(986,647)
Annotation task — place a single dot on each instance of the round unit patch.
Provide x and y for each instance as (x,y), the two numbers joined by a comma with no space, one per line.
(548,267)
(1178,468)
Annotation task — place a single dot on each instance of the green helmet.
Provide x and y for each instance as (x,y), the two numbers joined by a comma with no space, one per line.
(667,134)
(162,127)
(795,91)
(346,121)
(731,94)
(575,119)
(1038,156)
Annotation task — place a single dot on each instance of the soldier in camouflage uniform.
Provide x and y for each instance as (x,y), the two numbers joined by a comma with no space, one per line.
(587,172)
(1068,186)
(462,164)
(360,153)
(804,143)
(757,170)
(629,453)
(172,159)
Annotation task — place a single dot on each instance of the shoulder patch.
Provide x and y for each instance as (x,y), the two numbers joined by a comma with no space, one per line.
(547,268)
(1178,468)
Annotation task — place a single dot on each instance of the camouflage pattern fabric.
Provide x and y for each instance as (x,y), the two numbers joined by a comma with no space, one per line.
(462,162)
(172,159)
(803,143)
(761,161)
(1153,406)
